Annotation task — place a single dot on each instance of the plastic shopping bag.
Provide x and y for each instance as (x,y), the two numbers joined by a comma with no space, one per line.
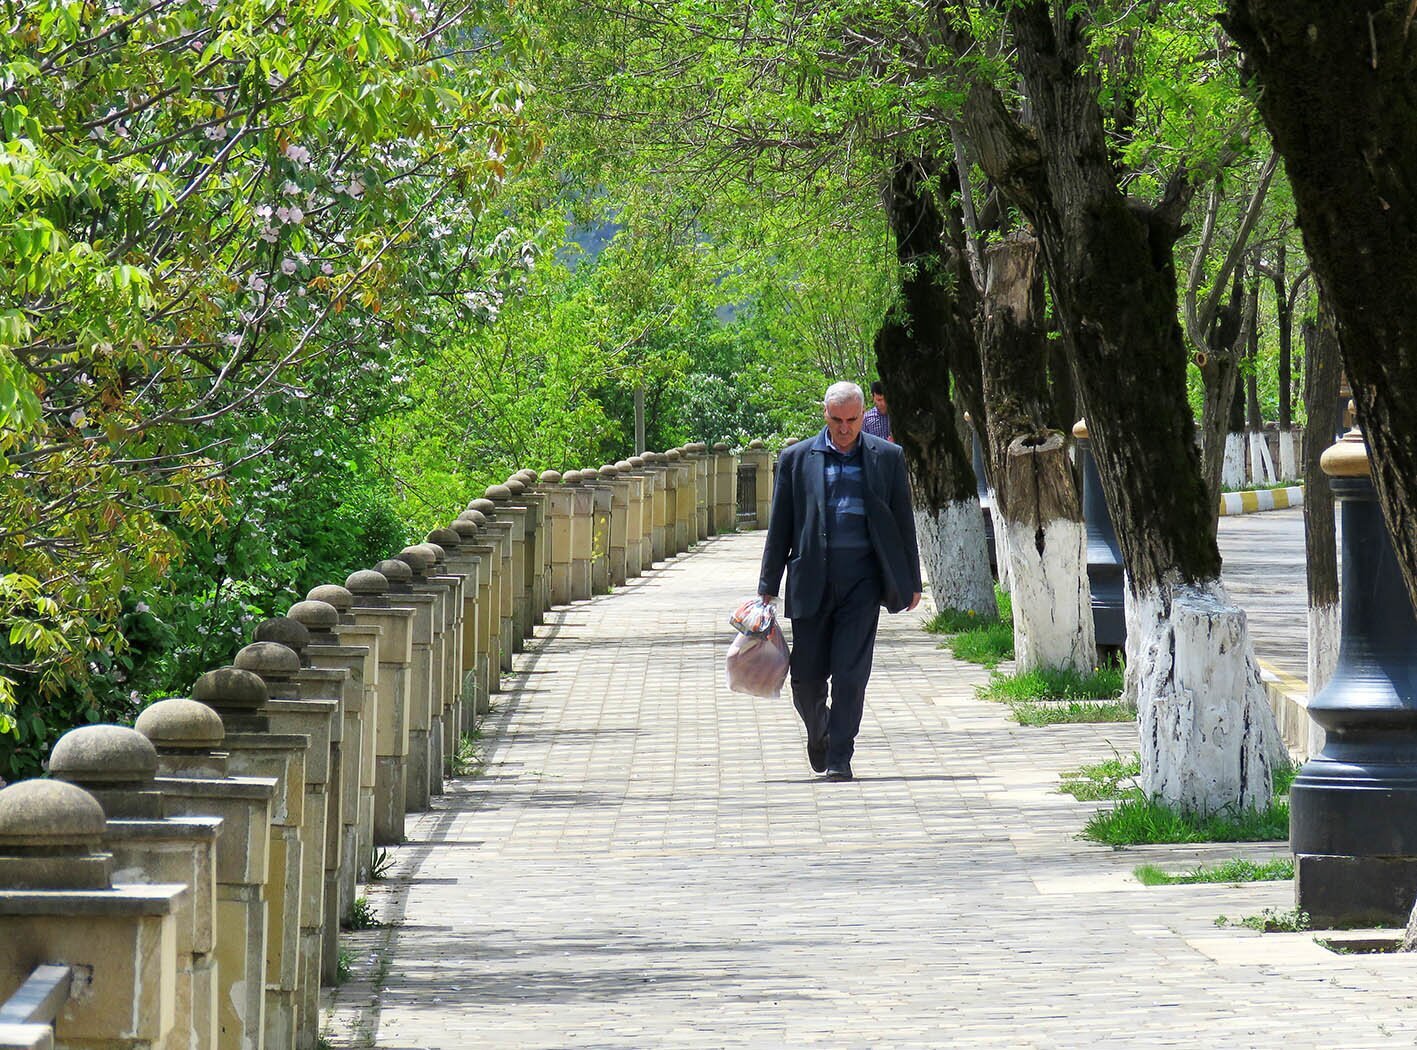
(757,659)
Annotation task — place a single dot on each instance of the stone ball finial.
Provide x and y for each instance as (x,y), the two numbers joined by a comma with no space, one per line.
(332,594)
(446,538)
(527,475)
(637,462)
(475,516)
(269,660)
(318,618)
(789,442)
(551,477)
(102,755)
(367,583)
(1347,457)
(417,559)
(515,485)
(497,493)
(398,573)
(49,813)
(1080,430)
(609,472)
(289,632)
(484,505)
(720,446)
(651,458)
(623,465)
(231,688)
(673,455)
(180,724)
(571,477)
(757,443)
(466,529)
(436,552)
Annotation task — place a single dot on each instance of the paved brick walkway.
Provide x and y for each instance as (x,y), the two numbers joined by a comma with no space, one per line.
(647,862)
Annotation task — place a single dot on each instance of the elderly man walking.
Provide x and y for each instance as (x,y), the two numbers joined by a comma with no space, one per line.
(842,527)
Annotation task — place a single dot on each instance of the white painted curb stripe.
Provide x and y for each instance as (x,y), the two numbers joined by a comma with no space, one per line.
(1264,499)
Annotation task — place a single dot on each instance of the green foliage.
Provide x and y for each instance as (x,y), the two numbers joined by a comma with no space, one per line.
(1111,778)
(988,645)
(1054,684)
(361,916)
(1283,777)
(1277,869)
(344,966)
(1270,920)
(1137,821)
(1071,712)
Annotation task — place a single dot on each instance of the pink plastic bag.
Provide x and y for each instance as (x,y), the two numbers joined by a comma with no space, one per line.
(757,663)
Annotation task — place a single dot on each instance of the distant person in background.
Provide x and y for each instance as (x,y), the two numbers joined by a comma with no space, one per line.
(877,421)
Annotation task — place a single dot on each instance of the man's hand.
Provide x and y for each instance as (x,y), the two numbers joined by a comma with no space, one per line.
(914,601)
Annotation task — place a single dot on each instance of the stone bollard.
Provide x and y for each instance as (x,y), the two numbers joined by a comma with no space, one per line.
(322,651)
(560,525)
(240,698)
(484,555)
(498,529)
(1105,576)
(1353,806)
(697,454)
(725,488)
(687,518)
(460,710)
(419,696)
(489,610)
(646,523)
(117,766)
(423,559)
(534,550)
(634,483)
(192,775)
(372,607)
(658,473)
(59,904)
(619,523)
(515,515)
(601,505)
(582,535)
(760,459)
(361,722)
(669,463)
(278,665)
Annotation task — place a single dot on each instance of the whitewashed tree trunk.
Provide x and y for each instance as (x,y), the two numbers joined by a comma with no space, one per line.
(1052,605)
(1209,740)
(1261,463)
(1288,455)
(1002,561)
(955,555)
(1232,470)
(1323,658)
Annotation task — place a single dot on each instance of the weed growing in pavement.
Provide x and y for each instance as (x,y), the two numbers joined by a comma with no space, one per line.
(1284,776)
(1112,778)
(1271,920)
(988,645)
(383,864)
(1137,821)
(1232,871)
(1045,683)
(467,760)
(361,916)
(344,966)
(953,621)
(1072,712)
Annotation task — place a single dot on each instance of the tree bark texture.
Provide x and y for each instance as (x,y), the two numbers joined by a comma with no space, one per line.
(1035,499)
(917,348)
(1321,375)
(1337,95)
(1219,366)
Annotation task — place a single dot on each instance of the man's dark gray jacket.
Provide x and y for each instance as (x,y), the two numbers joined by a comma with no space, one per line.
(797,526)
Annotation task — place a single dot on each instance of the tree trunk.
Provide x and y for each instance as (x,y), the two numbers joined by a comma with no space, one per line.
(1284,322)
(1337,98)
(1320,537)
(1261,466)
(1036,500)
(1220,373)
(915,352)
(1209,739)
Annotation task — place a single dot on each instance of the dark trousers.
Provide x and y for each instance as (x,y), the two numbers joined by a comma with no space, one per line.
(836,644)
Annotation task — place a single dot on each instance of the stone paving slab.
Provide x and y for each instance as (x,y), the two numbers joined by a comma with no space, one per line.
(647,861)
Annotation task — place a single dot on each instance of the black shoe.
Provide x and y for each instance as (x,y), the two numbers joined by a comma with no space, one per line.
(840,771)
(817,753)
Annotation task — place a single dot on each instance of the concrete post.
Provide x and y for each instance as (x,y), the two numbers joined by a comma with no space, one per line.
(526,495)
(468,558)
(194,782)
(601,504)
(278,665)
(726,488)
(499,530)
(58,902)
(657,472)
(582,535)
(426,620)
(354,638)
(559,507)
(117,766)
(619,523)
(686,519)
(461,570)
(489,616)
(515,515)
(696,453)
(427,561)
(240,698)
(760,458)
(372,608)
(646,526)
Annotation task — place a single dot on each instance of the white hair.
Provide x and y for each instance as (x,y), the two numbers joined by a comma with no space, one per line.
(841,393)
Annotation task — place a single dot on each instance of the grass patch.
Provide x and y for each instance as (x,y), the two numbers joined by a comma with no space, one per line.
(988,645)
(1284,776)
(1137,821)
(953,621)
(1271,920)
(1072,712)
(1232,871)
(1268,487)
(467,760)
(1113,778)
(1045,683)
